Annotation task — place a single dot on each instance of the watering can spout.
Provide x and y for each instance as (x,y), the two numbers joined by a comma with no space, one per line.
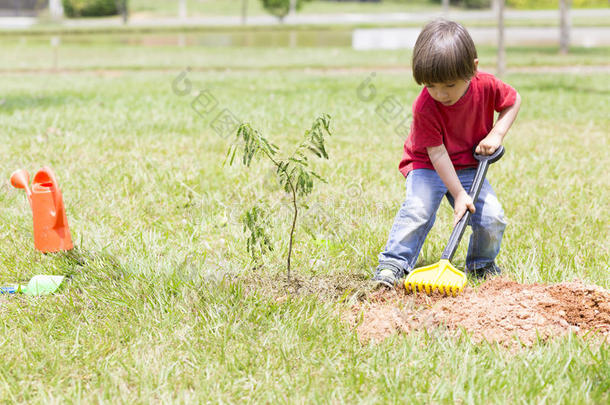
(21,179)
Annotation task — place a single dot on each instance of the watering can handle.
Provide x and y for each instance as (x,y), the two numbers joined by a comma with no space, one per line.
(475,189)
(57,200)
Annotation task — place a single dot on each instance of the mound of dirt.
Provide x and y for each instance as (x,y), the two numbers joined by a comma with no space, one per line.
(499,310)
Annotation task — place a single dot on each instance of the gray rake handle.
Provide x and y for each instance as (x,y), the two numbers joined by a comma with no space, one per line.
(475,189)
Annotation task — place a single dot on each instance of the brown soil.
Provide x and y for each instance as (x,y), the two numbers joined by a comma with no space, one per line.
(498,311)
(336,287)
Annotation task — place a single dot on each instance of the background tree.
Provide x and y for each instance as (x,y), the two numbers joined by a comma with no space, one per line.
(281,8)
(94,8)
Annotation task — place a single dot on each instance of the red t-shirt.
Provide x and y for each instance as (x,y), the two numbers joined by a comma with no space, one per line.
(460,127)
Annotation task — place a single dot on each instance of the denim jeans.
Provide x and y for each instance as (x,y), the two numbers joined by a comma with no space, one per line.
(425,191)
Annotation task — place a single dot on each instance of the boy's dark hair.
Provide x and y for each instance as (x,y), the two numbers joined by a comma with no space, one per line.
(444,52)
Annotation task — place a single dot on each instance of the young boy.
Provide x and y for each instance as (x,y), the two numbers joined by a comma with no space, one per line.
(452,117)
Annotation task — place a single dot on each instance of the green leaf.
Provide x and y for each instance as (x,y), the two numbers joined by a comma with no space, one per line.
(255,224)
(233,156)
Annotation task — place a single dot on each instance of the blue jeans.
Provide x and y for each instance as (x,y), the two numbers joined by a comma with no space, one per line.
(425,191)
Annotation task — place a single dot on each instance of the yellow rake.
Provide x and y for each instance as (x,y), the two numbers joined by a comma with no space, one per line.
(443,276)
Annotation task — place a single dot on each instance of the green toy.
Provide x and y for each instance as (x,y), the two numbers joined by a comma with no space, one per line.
(38,285)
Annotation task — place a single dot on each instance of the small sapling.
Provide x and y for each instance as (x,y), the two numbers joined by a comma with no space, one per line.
(293,173)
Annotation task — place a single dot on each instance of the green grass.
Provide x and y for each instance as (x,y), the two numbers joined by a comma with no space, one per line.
(159,52)
(163,303)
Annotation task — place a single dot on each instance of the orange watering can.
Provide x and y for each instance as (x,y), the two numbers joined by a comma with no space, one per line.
(51,231)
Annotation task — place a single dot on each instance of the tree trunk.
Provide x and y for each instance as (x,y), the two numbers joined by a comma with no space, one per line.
(56,9)
(244,11)
(124,9)
(182,9)
(564,26)
(293,8)
(445,4)
(501,68)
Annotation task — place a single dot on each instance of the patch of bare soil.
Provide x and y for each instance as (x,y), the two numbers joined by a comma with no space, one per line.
(336,287)
(498,311)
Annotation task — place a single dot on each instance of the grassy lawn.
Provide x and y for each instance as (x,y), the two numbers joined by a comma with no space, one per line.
(160,51)
(164,304)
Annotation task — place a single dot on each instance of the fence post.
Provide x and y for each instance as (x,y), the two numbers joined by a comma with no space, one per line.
(501,68)
(564,26)
(182,9)
(56,10)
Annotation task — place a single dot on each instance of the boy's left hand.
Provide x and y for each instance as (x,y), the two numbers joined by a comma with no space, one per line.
(489,144)
(462,203)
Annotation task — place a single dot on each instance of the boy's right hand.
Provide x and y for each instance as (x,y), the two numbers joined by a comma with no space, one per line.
(462,203)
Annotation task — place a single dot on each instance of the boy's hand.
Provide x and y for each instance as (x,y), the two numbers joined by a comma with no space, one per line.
(493,140)
(489,144)
(462,203)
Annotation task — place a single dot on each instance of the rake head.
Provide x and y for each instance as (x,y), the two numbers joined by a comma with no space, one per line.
(441,276)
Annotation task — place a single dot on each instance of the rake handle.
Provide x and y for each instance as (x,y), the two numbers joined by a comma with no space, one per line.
(475,189)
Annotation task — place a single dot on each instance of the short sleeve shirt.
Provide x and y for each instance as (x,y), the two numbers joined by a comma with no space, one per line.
(460,127)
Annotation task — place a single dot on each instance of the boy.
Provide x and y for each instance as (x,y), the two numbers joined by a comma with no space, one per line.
(452,116)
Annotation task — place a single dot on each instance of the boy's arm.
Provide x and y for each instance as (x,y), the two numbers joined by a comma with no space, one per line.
(493,140)
(444,167)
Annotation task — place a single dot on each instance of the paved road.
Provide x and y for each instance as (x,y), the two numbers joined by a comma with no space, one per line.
(398,38)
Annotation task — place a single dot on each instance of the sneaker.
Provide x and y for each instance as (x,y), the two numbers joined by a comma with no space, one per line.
(489,270)
(387,276)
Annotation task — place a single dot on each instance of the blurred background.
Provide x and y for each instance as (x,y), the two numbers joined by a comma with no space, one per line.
(63,34)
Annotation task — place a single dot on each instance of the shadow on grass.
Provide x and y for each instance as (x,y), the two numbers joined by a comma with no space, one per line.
(12,103)
(74,262)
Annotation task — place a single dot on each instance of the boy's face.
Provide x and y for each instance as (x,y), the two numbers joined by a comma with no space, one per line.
(448,93)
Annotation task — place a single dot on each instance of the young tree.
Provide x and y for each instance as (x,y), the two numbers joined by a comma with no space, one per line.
(293,173)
